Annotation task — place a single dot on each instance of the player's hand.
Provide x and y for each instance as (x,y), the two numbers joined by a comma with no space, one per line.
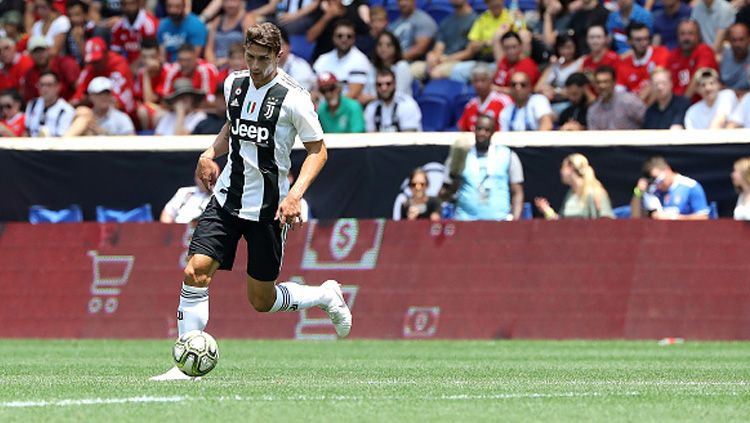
(290,212)
(207,172)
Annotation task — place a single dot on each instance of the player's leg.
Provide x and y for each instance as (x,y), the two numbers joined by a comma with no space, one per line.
(265,255)
(192,312)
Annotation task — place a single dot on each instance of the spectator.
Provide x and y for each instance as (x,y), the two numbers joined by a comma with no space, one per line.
(736,59)
(129,32)
(633,71)
(186,205)
(419,205)
(237,62)
(180,28)
(102,62)
(226,30)
(486,179)
(556,17)
(488,102)
(713,18)
(573,118)
(65,67)
(613,109)
(450,44)
(388,56)
(740,116)
(586,198)
(663,194)
(666,21)
(183,116)
(338,114)
(295,17)
(106,12)
(741,182)
(51,24)
(149,84)
(599,53)
(12,119)
(13,65)
(48,115)
(592,13)
(81,29)
(668,110)
(716,104)
(350,65)
(295,66)
(102,118)
(216,115)
(391,111)
(628,13)
(512,62)
(328,14)
(189,66)
(415,29)
(378,24)
(531,112)
(690,56)
(743,14)
(562,65)
(11,25)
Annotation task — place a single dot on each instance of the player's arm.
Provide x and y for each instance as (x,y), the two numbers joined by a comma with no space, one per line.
(207,171)
(289,211)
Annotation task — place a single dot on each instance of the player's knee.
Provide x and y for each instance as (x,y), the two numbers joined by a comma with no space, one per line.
(196,277)
(260,304)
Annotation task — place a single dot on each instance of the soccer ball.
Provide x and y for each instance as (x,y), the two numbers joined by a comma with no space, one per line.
(195,353)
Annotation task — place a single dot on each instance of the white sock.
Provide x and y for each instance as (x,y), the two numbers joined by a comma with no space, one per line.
(192,313)
(292,296)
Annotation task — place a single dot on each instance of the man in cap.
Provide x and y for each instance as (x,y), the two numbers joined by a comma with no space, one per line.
(65,67)
(183,117)
(11,26)
(12,64)
(102,62)
(102,118)
(337,113)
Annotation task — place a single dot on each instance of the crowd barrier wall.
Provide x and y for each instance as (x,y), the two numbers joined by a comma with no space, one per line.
(634,279)
(365,172)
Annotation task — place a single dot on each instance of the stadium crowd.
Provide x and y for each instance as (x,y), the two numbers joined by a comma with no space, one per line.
(118,67)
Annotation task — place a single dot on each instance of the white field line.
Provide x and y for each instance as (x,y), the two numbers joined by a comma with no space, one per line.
(89,401)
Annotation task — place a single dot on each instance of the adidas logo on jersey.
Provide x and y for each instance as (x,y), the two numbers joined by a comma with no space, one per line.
(248,131)
(234,103)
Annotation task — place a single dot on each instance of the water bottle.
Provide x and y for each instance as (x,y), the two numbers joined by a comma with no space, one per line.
(515,12)
(448,211)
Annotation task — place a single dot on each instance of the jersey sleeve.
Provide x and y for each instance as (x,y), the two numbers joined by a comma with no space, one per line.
(411,116)
(305,119)
(697,200)
(516,169)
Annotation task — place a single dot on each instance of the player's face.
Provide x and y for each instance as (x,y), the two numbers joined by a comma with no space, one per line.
(687,36)
(261,62)
(512,49)
(343,38)
(386,87)
(596,39)
(640,41)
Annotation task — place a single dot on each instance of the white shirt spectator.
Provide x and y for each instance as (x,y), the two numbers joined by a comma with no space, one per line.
(61,25)
(741,113)
(404,79)
(299,69)
(525,118)
(699,115)
(52,121)
(354,67)
(187,204)
(402,114)
(116,122)
(721,15)
(166,125)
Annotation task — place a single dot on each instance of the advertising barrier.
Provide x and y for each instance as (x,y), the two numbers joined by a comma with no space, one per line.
(634,279)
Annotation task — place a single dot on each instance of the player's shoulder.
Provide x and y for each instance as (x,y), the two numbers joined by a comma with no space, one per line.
(234,75)
(292,85)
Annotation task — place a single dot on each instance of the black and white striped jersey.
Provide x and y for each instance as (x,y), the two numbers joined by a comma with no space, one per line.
(263,124)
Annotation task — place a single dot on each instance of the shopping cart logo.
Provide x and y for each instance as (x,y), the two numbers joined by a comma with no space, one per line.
(110,275)
(347,244)
(421,322)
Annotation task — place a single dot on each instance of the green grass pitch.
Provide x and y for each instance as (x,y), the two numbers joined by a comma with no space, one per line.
(409,381)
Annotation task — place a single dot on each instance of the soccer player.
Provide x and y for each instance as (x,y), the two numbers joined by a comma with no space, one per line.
(266,108)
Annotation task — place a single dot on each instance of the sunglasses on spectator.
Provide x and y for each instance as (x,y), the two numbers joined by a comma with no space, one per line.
(417,184)
(327,90)
(384,84)
(344,36)
(5,106)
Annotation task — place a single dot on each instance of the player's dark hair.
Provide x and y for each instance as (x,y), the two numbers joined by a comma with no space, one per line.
(264,34)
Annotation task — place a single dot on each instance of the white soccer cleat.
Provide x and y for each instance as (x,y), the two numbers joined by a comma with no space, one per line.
(337,309)
(173,374)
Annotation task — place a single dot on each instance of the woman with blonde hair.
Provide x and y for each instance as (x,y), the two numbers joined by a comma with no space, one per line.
(741,182)
(586,198)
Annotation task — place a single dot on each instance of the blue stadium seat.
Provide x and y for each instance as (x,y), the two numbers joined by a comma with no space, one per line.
(479,6)
(139,214)
(445,88)
(528,212)
(622,212)
(41,214)
(525,5)
(299,45)
(416,88)
(436,113)
(713,210)
(439,11)
(391,9)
